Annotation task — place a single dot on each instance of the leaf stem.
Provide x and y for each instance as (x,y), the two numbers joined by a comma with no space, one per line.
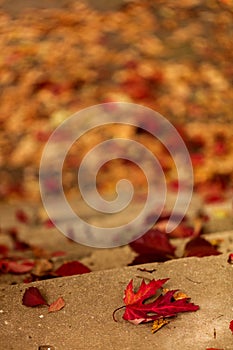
(113,314)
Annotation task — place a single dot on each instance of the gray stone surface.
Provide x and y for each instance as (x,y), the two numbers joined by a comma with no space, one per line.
(86,320)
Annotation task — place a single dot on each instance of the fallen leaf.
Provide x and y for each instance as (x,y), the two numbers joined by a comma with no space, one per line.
(231,326)
(72,268)
(183,230)
(58,253)
(20,245)
(42,267)
(230,258)
(21,216)
(7,266)
(199,247)
(18,268)
(4,249)
(40,252)
(157,324)
(137,310)
(153,242)
(32,297)
(57,305)
(180,295)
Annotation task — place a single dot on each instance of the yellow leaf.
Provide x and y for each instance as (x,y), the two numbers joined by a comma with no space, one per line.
(180,295)
(158,324)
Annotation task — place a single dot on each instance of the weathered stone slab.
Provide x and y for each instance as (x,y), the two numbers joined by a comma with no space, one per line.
(86,320)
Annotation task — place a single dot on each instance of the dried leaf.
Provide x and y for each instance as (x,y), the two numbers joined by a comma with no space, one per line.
(42,267)
(137,310)
(57,305)
(20,245)
(21,216)
(7,266)
(72,268)
(183,230)
(230,258)
(180,295)
(157,324)
(231,326)
(32,297)
(199,247)
(153,242)
(58,253)
(18,268)
(3,249)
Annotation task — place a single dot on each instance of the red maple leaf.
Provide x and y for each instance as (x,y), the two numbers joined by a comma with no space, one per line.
(72,268)
(32,297)
(137,310)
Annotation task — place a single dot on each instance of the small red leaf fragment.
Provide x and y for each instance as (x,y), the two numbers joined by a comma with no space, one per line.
(230,258)
(231,326)
(21,216)
(57,305)
(32,297)
(72,268)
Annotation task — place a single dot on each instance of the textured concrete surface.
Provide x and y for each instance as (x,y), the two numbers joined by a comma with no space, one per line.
(86,320)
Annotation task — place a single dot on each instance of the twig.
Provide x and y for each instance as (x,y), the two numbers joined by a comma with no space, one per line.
(146,270)
(189,279)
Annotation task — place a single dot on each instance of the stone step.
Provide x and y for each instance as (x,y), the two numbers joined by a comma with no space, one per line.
(86,320)
(218,229)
